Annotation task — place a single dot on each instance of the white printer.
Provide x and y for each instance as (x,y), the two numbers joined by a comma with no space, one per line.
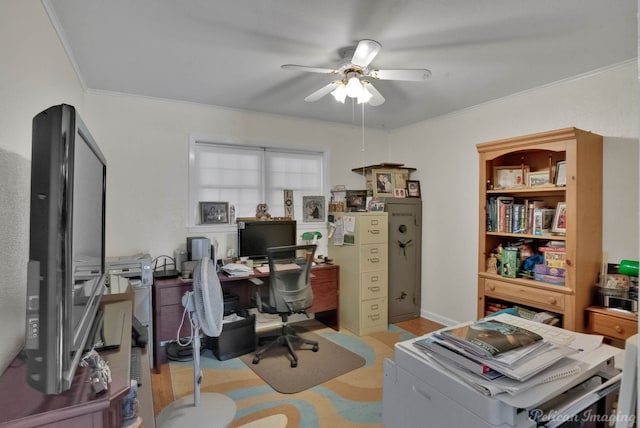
(419,392)
(138,265)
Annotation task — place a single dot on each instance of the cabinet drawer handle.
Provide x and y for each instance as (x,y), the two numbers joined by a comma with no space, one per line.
(375,289)
(374,231)
(619,329)
(374,317)
(553,300)
(374,260)
(492,287)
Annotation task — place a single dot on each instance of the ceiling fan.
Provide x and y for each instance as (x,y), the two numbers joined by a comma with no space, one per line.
(355,76)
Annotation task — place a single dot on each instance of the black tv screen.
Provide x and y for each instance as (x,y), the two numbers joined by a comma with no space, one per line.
(66,272)
(254,237)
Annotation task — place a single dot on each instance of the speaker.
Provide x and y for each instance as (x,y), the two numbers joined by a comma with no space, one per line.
(179,256)
(198,247)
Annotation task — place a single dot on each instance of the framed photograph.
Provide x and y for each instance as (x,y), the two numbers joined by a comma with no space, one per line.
(383,183)
(538,178)
(214,212)
(505,177)
(413,188)
(313,208)
(560,219)
(399,192)
(561,173)
(375,204)
(356,200)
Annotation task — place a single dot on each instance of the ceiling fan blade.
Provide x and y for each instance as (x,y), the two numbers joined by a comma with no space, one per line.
(309,69)
(365,52)
(415,75)
(376,96)
(315,96)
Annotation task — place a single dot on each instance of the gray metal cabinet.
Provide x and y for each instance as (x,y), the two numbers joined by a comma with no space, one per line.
(405,257)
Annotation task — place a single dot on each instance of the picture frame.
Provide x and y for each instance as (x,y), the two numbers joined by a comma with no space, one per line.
(538,178)
(413,188)
(561,173)
(505,177)
(375,204)
(383,182)
(560,219)
(356,200)
(399,192)
(214,212)
(313,209)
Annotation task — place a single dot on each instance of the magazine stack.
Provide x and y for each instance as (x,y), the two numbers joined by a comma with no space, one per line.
(503,353)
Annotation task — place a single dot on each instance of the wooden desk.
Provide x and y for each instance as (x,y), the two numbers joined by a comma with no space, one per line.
(168,309)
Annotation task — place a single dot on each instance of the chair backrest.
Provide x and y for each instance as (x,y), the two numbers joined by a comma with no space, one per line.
(289,275)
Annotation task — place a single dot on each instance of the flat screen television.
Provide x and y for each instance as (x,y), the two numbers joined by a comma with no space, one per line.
(66,269)
(254,237)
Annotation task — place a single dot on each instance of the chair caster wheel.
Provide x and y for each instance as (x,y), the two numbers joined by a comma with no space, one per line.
(256,360)
(294,364)
(315,348)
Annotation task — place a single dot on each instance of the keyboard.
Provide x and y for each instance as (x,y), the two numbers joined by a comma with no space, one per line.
(136,365)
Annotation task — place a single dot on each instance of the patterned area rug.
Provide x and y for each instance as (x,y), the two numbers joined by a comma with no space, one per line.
(353,399)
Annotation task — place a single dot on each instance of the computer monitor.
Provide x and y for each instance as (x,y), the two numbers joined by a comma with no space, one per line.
(255,236)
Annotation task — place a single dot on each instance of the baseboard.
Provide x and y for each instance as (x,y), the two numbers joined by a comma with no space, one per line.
(438,318)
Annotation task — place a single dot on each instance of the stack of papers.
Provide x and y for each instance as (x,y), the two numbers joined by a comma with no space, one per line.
(237,270)
(494,365)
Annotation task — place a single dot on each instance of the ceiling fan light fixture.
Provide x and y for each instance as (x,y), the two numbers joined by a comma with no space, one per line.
(365,95)
(340,93)
(354,86)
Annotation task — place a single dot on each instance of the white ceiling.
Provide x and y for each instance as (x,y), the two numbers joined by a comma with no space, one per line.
(229,52)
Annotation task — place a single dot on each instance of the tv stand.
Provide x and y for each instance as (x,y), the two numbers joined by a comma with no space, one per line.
(23,406)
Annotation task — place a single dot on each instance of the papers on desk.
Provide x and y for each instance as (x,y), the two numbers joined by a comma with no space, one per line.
(522,368)
(237,270)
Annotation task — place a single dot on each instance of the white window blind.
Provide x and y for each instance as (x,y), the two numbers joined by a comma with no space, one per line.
(244,176)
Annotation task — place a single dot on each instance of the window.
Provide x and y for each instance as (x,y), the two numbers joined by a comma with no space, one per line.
(246,175)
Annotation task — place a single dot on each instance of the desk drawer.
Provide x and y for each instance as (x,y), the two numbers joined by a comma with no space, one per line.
(373,284)
(612,326)
(543,299)
(172,295)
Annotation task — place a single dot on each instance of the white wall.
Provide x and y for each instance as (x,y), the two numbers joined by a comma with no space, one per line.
(34,74)
(146,141)
(443,150)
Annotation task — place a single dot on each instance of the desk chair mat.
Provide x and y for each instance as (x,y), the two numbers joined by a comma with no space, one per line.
(313,368)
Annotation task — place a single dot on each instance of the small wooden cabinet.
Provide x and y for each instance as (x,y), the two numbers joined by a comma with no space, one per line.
(364,271)
(614,325)
(23,406)
(579,153)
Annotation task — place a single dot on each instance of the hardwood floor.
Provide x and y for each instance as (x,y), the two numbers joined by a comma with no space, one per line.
(161,382)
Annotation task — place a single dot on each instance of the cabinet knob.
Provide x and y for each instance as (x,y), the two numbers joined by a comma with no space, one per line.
(553,300)
(492,287)
(619,329)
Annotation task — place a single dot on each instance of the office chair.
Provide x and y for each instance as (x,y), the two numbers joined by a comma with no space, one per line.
(289,292)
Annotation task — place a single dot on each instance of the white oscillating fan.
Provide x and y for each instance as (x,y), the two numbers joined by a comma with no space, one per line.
(205,306)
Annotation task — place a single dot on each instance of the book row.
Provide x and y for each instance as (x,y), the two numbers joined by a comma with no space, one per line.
(506,215)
